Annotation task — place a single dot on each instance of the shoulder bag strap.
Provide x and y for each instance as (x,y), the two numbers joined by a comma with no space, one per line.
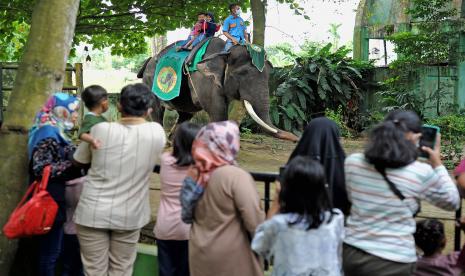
(45,177)
(392,186)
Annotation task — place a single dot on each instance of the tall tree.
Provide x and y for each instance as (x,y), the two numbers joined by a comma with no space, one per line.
(258,8)
(41,72)
(122,24)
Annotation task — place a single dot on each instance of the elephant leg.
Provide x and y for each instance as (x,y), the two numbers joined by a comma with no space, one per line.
(216,106)
(158,111)
(183,116)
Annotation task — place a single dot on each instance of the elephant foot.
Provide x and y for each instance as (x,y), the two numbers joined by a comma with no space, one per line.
(286,136)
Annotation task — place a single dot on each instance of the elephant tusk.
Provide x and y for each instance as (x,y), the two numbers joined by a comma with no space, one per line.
(257,119)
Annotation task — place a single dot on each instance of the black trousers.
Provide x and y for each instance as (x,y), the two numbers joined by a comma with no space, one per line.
(173,258)
(360,263)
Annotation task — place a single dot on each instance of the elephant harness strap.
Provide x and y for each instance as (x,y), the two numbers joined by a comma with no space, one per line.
(195,95)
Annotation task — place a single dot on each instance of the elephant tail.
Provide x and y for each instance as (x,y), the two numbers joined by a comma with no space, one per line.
(140,74)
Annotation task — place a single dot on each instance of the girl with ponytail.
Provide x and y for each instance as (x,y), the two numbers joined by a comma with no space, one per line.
(385,186)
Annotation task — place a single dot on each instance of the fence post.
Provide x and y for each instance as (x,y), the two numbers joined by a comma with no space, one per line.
(79,78)
(458,215)
(1,94)
(267,196)
(80,86)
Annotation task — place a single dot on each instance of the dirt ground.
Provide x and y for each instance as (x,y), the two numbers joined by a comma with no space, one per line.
(266,154)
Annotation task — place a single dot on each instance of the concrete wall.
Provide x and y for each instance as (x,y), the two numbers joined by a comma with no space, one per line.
(377,19)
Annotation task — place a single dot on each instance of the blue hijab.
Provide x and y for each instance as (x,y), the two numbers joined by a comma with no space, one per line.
(53,121)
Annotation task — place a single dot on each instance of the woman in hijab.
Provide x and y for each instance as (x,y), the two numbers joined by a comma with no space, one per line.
(320,142)
(227,209)
(49,144)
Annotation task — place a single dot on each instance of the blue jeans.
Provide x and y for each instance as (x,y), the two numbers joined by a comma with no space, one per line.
(72,264)
(229,44)
(173,258)
(198,39)
(49,251)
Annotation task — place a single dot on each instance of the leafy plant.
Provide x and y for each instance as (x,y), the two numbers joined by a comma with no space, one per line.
(338,117)
(318,80)
(453,137)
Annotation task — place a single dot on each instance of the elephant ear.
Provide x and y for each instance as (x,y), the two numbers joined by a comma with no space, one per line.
(213,67)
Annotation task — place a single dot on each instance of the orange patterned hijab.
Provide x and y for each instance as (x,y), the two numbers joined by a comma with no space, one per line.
(216,145)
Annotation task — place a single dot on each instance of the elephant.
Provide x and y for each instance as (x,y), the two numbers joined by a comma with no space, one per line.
(221,78)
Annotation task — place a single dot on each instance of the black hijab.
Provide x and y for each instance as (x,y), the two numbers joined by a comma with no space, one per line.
(320,141)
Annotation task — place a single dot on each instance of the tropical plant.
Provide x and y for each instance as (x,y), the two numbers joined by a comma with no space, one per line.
(333,31)
(318,80)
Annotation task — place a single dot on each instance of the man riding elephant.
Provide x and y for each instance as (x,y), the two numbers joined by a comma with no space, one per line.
(234,28)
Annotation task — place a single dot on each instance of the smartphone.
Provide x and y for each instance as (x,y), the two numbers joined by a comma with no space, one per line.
(428,138)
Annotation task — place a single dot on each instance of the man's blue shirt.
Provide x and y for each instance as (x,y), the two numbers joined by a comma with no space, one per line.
(235,27)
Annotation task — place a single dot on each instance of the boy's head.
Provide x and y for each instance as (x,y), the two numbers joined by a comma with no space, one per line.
(430,237)
(201,16)
(136,100)
(233,8)
(95,97)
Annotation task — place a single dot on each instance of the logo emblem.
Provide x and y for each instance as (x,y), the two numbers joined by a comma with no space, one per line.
(166,79)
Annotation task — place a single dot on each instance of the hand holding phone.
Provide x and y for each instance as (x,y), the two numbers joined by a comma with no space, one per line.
(434,154)
(428,139)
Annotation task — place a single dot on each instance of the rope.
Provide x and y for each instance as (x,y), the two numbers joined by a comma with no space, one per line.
(192,83)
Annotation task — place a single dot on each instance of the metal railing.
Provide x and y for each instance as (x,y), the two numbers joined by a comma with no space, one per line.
(268,178)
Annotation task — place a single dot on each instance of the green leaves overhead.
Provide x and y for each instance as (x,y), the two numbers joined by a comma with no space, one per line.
(121,24)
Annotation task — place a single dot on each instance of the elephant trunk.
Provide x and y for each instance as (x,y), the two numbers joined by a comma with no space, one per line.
(267,125)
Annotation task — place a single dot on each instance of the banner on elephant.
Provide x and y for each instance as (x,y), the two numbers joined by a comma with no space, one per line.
(168,75)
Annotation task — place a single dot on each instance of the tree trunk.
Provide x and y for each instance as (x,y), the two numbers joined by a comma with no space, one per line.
(41,72)
(159,42)
(259,19)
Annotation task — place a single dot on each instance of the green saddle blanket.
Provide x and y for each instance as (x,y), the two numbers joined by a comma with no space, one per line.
(258,55)
(168,73)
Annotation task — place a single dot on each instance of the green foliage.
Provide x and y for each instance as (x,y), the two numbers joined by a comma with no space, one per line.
(453,137)
(133,64)
(432,41)
(281,55)
(319,79)
(13,41)
(338,117)
(121,25)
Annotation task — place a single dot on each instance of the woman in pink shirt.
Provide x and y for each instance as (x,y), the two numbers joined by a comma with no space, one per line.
(171,233)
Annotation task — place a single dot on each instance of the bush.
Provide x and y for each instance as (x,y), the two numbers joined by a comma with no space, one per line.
(320,79)
(452,136)
(338,117)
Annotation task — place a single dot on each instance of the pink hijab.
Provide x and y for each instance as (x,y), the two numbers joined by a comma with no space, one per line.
(216,145)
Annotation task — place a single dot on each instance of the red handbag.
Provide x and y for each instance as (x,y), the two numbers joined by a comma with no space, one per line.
(36,216)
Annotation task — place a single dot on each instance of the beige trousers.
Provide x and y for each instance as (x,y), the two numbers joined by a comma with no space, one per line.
(106,252)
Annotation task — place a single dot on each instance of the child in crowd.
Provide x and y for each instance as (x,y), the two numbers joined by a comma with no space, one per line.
(197,31)
(431,239)
(95,99)
(305,238)
(172,234)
